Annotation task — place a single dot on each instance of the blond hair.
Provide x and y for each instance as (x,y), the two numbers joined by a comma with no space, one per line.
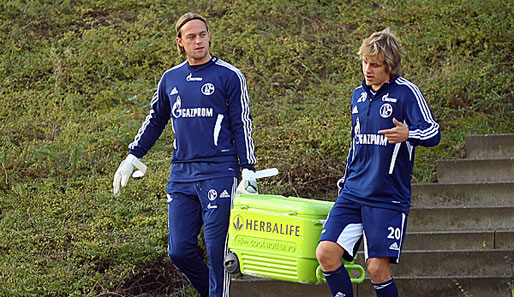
(385,43)
(189,16)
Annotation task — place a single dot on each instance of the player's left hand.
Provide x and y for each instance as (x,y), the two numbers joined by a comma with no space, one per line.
(248,184)
(398,134)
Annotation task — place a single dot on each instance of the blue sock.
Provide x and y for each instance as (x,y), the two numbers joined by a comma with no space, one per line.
(387,289)
(339,282)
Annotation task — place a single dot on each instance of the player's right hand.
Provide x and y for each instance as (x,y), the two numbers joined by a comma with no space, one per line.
(125,170)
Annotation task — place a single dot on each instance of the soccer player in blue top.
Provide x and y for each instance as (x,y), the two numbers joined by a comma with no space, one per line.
(390,118)
(207,101)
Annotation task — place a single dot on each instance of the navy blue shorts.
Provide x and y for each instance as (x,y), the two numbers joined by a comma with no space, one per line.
(382,230)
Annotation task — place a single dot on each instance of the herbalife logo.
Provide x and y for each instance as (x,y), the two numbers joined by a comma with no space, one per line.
(237,222)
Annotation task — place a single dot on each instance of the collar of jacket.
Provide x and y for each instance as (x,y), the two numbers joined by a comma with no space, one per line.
(372,93)
(202,66)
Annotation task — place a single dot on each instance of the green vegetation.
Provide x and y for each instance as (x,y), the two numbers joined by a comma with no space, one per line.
(77,78)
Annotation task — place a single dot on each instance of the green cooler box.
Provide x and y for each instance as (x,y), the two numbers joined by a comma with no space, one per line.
(276,237)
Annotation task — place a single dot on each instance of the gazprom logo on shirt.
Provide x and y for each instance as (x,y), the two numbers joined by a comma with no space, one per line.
(178,112)
(374,139)
(191,78)
(193,112)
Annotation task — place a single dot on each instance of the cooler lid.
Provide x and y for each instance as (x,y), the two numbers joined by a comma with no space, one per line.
(278,203)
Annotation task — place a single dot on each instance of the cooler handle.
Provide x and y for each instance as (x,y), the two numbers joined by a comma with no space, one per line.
(349,267)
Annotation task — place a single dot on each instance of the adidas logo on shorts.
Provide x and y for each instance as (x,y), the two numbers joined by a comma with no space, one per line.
(339,294)
(225,194)
(394,247)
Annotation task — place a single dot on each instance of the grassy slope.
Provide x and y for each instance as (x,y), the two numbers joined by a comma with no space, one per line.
(77,77)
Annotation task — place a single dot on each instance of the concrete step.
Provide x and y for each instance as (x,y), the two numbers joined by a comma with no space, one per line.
(261,287)
(455,286)
(450,240)
(460,218)
(490,146)
(504,239)
(475,170)
(468,194)
(486,263)
(458,240)
(427,271)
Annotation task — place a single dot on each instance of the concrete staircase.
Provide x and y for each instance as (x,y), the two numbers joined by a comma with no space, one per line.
(460,232)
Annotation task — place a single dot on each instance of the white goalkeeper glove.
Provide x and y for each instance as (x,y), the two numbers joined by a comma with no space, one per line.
(248,184)
(125,170)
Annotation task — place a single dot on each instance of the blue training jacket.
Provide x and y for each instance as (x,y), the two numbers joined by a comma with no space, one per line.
(378,173)
(209,108)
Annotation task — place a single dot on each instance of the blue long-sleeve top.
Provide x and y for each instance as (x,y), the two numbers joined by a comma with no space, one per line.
(210,114)
(379,173)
